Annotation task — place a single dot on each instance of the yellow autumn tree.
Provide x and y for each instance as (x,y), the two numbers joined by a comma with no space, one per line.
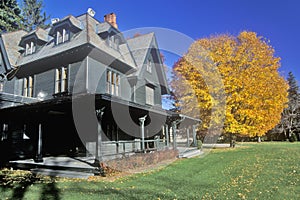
(240,72)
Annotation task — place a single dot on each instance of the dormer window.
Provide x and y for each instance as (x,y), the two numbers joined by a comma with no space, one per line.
(113,42)
(62,36)
(30,48)
(33,41)
(63,30)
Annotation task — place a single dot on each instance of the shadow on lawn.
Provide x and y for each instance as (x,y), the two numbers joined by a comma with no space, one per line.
(19,184)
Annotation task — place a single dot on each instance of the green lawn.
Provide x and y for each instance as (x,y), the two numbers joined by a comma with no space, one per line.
(253,171)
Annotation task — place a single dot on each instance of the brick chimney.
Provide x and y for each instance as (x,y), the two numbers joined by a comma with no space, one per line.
(112,19)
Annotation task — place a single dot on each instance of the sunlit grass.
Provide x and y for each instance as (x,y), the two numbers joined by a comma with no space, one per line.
(254,171)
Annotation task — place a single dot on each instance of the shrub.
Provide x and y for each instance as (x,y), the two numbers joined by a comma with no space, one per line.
(199,144)
(293,137)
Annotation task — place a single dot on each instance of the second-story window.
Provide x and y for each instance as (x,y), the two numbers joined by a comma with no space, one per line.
(30,48)
(61,80)
(28,87)
(62,36)
(112,83)
(149,95)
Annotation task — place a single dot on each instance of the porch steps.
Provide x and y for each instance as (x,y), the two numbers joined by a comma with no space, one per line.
(189,153)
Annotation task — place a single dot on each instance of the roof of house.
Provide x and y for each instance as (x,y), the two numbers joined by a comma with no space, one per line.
(131,52)
(139,47)
(73,20)
(11,42)
(40,33)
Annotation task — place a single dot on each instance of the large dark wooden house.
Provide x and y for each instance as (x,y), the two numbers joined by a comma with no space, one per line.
(81,87)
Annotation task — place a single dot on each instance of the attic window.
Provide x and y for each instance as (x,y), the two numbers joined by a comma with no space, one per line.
(62,36)
(149,66)
(30,48)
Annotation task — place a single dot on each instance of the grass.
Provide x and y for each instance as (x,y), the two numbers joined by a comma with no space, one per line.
(254,171)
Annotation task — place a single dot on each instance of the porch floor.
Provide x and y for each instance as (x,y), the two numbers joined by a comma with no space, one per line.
(71,167)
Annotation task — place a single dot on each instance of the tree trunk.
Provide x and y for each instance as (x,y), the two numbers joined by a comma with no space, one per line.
(259,139)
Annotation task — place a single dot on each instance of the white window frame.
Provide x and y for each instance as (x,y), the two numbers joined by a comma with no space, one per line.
(149,95)
(62,36)
(113,42)
(113,83)
(1,86)
(149,65)
(61,80)
(28,86)
(30,48)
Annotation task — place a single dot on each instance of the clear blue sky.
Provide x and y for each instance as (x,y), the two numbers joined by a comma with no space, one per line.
(277,20)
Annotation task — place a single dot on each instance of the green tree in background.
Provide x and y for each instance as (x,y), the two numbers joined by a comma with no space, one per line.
(10,16)
(33,16)
(289,126)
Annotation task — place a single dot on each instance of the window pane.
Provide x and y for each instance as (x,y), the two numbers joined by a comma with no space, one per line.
(149,96)
(59,38)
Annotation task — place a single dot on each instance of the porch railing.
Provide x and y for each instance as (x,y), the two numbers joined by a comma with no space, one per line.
(127,147)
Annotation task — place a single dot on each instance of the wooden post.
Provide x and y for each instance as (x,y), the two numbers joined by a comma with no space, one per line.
(167,136)
(188,136)
(142,127)
(98,155)
(174,135)
(39,156)
(194,135)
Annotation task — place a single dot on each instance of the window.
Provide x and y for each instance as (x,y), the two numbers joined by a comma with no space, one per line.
(149,65)
(30,48)
(149,95)
(28,87)
(62,36)
(112,83)
(61,80)
(1,86)
(113,42)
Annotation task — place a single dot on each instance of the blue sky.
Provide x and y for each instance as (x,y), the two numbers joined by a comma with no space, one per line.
(278,20)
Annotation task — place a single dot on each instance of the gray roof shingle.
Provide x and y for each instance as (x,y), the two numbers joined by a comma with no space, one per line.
(11,42)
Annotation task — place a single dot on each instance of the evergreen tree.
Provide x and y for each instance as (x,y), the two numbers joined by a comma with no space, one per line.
(290,119)
(10,16)
(33,16)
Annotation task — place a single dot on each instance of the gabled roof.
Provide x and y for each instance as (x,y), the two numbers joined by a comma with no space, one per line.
(139,47)
(39,33)
(71,19)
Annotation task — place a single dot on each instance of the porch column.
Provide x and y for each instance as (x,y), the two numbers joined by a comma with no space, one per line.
(98,156)
(188,136)
(142,127)
(39,156)
(174,135)
(194,136)
(167,136)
